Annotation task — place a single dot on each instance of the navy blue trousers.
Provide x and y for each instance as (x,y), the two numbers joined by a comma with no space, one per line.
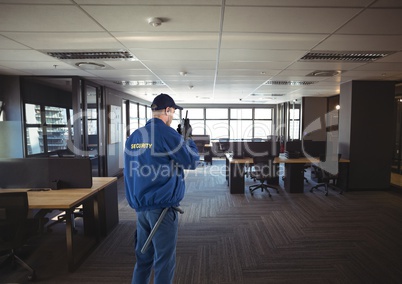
(161,253)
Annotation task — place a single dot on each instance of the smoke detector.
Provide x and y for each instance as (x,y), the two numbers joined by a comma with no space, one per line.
(155,22)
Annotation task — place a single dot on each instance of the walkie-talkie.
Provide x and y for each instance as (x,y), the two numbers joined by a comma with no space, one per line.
(186,127)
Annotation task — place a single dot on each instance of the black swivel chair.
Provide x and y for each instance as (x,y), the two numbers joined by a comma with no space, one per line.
(326,176)
(224,145)
(15,227)
(61,218)
(264,170)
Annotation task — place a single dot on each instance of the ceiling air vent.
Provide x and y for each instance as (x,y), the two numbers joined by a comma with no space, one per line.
(92,55)
(355,56)
(289,83)
(324,73)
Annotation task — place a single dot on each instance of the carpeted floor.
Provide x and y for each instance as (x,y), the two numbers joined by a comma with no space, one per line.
(223,238)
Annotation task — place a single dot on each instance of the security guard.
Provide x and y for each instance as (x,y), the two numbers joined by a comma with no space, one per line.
(155,159)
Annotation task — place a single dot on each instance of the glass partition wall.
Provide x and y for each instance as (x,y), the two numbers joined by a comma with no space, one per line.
(91,130)
(64,116)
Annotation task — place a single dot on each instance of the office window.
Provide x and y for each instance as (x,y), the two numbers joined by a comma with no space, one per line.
(262,123)
(241,113)
(32,114)
(217,128)
(142,115)
(241,129)
(255,122)
(133,119)
(176,119)
(263,113)
(149,113)
(197,126)
(262,128)
(294,123)
(92,120)
(216,113)
(194,113)
(196,116)
(46,128)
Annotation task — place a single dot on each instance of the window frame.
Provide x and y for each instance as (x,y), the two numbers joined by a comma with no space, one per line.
(44,127)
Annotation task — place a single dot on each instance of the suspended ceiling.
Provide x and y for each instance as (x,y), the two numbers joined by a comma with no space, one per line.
(206,52)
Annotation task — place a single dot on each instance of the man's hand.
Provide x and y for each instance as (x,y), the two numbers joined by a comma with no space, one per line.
(187,132)
(187,129)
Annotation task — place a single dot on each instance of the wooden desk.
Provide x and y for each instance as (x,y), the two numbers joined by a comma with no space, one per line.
(100,212)
(208,153)
(294,172)
(235,173)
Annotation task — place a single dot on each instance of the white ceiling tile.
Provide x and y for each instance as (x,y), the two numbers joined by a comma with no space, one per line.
(361,43)
(178,18)
(25,55)
(286,20)
(375,22)
(180,65)
(367,74)
(260,55)
(295,76)
(387,3)
(252,73)
(259,65)
(6,43)
(396,57)
(124,74)
(261,40)
(39,65)
(37,2)
(126,65)
(175,54)
(381,66)
(58,72)
(148,2)
(42,18)
(296,3)
(8,71)
(190,74)
(163,40)
(271,41)
(66,41)
(302,65)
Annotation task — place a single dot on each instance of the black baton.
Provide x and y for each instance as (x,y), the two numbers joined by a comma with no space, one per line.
(156,226)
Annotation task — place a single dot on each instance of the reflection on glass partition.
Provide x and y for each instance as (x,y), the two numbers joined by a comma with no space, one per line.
(49,136)
(34,140)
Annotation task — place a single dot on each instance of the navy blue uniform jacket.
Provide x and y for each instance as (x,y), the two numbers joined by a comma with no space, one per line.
(154,161)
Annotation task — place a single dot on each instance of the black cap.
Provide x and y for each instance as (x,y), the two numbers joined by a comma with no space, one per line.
(163,101)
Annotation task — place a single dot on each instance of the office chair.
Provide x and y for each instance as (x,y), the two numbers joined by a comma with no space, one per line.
(224,144)
(61,218)
(15,227)
(264,170)
(306,167)
(325,176)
